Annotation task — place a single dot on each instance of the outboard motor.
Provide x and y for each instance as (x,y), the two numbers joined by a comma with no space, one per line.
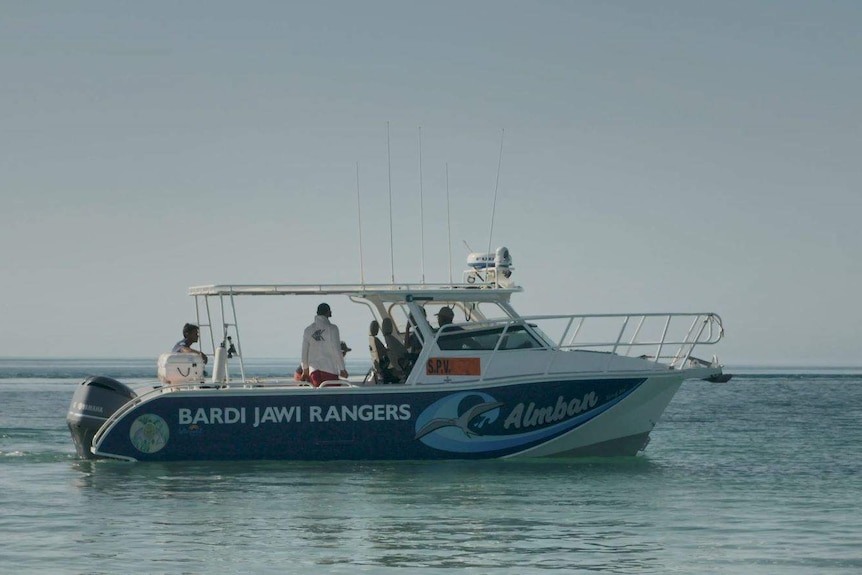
(95,400)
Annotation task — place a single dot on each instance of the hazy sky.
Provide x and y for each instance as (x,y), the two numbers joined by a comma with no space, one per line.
(658,156)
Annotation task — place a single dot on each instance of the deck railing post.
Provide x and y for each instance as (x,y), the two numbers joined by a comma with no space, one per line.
(617,343)
(663,336)
(696,339)
(577,331)
(566,331)
(635,335)
(685,342)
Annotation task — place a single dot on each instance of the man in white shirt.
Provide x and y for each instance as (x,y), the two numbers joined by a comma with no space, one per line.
(321,349)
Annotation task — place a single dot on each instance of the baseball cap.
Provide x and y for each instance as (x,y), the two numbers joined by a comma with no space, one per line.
(445,311)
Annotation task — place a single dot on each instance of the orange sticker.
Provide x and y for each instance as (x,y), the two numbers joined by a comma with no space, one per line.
(453,366)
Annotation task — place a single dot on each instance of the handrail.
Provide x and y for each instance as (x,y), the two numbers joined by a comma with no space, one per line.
(681,332)
(128,406)
(333,383)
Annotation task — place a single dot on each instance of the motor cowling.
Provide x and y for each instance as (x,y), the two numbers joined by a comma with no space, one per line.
(94,401)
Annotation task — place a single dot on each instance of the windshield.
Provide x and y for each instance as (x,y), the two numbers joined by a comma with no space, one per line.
(486,338)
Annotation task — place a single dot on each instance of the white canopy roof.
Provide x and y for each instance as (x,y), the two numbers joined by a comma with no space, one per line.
(384,292)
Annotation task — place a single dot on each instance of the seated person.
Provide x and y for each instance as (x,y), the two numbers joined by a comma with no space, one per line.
(451,339)
(411,340)
(191,335)
(398,357)
(380,361)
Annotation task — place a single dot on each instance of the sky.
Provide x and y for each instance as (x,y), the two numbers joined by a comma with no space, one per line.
(644,157)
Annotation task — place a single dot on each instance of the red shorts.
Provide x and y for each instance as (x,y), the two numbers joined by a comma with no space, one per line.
(318,377)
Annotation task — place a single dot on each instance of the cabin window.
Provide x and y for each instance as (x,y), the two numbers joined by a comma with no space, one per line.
(519,338)
(516,337)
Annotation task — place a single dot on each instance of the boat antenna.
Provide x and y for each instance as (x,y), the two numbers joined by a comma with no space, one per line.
(391,240)
(359,217)
(496,187)
(421,210)
(449,223)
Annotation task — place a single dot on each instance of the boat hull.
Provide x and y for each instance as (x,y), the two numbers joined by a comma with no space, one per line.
(561,418)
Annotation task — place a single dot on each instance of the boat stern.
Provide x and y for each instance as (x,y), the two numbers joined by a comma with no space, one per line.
(94,401)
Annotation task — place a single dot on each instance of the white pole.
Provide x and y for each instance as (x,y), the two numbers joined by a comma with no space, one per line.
(421,209)
(391,240)
(496,187)
(359,217)
(449,223)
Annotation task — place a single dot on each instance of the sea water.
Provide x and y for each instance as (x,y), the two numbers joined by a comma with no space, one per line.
(762,474)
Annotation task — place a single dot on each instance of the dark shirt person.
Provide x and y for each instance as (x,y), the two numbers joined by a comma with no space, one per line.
(451,339)
(191,335)
(412,343)
(445,317)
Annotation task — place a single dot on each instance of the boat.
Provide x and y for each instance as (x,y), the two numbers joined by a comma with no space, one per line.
(493,384)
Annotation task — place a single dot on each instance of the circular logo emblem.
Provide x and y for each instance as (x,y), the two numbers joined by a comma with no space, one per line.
(149,433)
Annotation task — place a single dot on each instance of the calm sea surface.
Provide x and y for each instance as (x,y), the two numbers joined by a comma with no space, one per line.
(759,475)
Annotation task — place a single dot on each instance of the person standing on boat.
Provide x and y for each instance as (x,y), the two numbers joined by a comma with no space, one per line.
(298,376)
(191,335)
(321,349)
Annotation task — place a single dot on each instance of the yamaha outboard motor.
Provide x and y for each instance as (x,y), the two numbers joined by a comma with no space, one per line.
(95,400)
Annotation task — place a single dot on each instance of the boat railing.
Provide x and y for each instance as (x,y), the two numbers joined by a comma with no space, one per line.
(668,338)
(127,407)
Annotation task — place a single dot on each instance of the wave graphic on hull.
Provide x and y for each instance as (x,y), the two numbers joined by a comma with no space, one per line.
(469,422)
